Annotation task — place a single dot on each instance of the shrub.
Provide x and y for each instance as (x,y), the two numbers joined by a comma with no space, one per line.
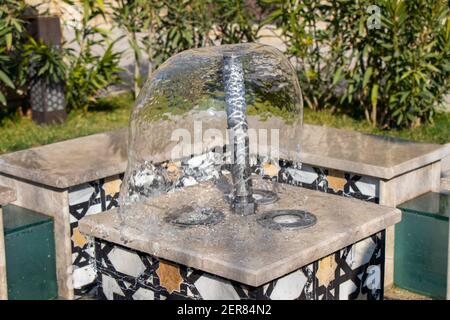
(24,60)
(88,71)
(389,63)
(237,21)
(12,33)
(394,73)
(190,24)
(403,68)
(41,61)
(309,28)
(166,27)
(135,17)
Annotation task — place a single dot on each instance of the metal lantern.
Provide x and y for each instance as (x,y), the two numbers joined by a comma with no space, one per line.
(47,98)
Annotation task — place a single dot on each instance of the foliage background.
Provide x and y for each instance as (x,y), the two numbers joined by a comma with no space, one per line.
(393,76)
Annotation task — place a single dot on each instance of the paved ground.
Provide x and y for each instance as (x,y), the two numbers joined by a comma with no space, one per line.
(396,293)
(393,293)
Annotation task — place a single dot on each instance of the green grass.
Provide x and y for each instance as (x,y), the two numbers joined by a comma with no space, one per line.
(113,112)
(110,113)
(438,132)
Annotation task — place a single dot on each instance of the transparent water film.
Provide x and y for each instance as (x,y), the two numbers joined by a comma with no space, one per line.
(230,115)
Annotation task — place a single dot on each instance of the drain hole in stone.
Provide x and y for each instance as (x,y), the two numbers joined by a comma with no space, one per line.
(187,216)
(287,219)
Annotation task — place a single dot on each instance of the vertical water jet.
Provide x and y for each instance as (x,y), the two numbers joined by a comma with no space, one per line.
(243,202)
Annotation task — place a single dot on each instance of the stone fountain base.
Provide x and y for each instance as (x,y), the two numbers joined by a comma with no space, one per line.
(354,272)
(146,256)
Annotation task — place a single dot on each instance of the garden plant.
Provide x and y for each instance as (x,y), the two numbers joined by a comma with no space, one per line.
(384,66)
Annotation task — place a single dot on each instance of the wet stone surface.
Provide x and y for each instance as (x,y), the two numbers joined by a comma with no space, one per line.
(287,219)
(238,247)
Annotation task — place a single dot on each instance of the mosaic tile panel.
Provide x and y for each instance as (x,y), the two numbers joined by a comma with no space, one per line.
(102,195)
(354,272)
(47,97)
(190,171)
(330,181)
(84,200)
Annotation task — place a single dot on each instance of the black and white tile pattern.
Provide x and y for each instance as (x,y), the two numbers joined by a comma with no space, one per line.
(102,195)
(355,272)
(84,200)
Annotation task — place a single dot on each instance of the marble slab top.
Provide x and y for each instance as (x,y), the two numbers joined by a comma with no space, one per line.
(239,248)
(73,162)
(367,154)
(7,195)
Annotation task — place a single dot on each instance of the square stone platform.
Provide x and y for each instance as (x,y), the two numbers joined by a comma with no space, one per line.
(239,248)
(69,180)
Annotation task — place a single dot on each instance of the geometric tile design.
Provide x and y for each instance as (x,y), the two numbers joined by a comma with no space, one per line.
(214,288)
(354,272)
(330,181)
(190,171)
(86,199)
(127,274)
(289,287)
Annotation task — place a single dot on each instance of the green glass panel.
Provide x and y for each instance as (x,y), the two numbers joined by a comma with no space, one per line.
(421,245)
(16,218)
(30,254)
(436,205)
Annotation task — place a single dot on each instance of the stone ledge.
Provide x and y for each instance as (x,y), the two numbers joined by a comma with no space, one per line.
(69,163)
(396,293)
(367,154)
(7,195)
(445,182)
(73,162)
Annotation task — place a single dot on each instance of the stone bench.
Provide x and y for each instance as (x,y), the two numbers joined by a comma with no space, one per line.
(69,180)
(7,195)
(72,179)
(385,170)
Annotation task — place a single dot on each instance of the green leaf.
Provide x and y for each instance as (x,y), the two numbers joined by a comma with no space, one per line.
(2,99)
(367,76)
(406,74)
(399,119)
(337,76)
(431,67)
(6,80)
(9,39)
(374,95)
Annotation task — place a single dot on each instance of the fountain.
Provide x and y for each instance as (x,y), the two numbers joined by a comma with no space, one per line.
(206,207)
(230,100)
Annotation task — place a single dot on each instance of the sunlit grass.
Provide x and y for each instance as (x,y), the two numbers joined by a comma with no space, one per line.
(113,112)
(20,132)
(438,132)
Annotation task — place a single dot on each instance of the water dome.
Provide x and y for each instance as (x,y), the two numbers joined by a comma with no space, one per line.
(227,116)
